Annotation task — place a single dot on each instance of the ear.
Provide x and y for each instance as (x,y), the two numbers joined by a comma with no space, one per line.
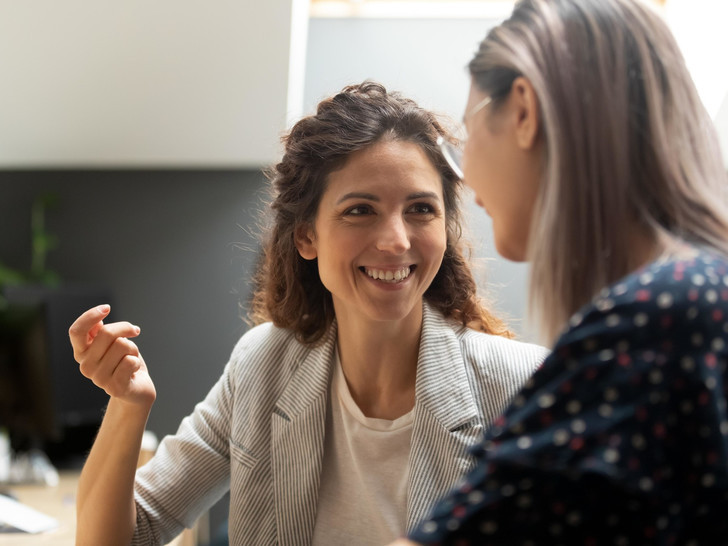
(305,239)
(528,118)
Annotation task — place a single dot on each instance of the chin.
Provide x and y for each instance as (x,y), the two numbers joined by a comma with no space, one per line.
(510,252)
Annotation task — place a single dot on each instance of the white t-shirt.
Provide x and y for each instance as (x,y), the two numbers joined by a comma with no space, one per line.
(363,491)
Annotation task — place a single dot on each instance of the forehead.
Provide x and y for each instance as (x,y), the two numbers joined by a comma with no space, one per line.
(387,166)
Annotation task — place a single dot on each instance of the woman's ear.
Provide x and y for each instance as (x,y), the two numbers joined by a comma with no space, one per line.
(528,113)
(305,238)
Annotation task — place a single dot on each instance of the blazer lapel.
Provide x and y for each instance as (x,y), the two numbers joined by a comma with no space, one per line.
(446,420)
(298,426)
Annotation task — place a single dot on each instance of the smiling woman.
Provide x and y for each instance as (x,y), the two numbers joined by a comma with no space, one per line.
(373,365)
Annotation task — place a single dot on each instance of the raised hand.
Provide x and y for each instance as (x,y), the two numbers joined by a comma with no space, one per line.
(110,359)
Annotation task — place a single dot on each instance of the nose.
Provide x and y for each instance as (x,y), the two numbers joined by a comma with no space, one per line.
(393,235)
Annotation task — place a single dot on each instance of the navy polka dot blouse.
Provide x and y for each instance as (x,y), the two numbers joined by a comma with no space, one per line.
(621,437)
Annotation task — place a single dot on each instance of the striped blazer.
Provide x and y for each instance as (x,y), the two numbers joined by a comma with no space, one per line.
(260,431)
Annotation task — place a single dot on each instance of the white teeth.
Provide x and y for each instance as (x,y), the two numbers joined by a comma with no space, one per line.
(389,275)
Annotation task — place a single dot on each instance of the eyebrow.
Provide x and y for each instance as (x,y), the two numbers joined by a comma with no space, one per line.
(372,197)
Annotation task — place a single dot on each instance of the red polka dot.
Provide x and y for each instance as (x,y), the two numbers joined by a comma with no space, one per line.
(704,398)
(693,294)
(576,443)
(459,511)
(717,315)
(642,295)
(710,360)
(624,359)
(659,430)
(666,321)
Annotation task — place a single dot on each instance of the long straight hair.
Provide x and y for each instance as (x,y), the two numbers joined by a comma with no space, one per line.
(626,139)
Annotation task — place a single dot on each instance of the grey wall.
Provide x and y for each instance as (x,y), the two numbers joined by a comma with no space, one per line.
(165,243)
(425,59)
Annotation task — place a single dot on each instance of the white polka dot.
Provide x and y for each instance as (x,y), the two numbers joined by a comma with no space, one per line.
(708,480)
(645,484)
(573,518)
(611,456)
(576,319)
(546,400)
(612,320)
(524,442)
(519,401)
(561,436)
(662,523)
(429,527)
(611,394)
(646,278)
(711,383)
(638,441)
(724,428)
(697,339)
(606,355)
(605,410)
(664,300)
(641,319)
(578,426)
(692,313)
(622,346)
(698,279)
(475,497)
(573,407)
(508,490)
(711,296)
(452,524)
(525,484)
(717,344)
(605,304)
(687,363)
(488,527)
(655,377)
(524,501)
(620,289)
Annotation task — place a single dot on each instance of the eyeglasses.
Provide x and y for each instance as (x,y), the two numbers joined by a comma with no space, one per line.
(454,154)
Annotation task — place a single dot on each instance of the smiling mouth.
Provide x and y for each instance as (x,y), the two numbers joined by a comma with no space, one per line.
(389,275)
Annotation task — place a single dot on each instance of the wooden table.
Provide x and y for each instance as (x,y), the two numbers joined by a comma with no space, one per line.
(59,502)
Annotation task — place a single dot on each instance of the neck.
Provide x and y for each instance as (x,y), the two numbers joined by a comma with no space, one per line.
(379,361)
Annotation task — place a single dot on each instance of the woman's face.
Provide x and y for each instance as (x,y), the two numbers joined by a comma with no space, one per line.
(502,171)
(379,233)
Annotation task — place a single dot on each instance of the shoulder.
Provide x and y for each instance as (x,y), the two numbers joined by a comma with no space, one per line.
(482,347)
(267,349)
(667,309)
(663,294)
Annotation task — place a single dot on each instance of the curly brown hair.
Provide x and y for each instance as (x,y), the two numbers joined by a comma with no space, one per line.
(288,290)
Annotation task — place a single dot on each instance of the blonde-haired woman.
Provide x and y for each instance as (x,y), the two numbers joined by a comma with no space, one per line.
(589,148)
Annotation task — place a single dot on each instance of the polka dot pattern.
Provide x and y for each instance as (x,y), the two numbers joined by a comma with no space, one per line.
(621,437)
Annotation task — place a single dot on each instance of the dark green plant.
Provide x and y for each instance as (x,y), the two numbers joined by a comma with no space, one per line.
(41,242)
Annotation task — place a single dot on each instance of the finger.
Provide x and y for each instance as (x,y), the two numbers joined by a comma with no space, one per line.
(90,321)
(104,339)
(100,369)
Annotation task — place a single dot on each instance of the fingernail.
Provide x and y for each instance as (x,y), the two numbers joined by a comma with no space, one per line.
(137,329)
(104,308)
